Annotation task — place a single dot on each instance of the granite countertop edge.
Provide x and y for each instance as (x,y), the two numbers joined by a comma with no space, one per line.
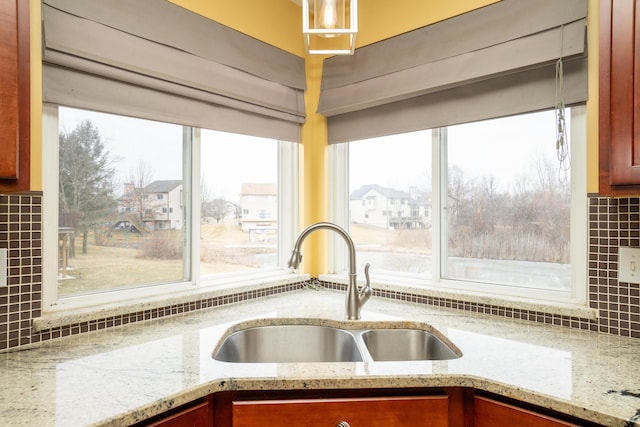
(373,382)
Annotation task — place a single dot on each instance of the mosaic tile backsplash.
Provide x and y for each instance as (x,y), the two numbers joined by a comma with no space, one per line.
(613,222)
(21,235)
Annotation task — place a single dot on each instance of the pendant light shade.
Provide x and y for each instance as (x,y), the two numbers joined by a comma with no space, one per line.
(330,26)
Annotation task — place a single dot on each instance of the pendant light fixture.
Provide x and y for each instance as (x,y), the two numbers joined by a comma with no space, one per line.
(329,27)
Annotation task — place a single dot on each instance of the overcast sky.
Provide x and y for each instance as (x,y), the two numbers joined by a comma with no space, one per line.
(501,148)
(228,160)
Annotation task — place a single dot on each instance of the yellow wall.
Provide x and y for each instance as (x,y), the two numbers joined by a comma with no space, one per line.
(381,19)
(314,196)
(36,96)
(279,22)
(593,20)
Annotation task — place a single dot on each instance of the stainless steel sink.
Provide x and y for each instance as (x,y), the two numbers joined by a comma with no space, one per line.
(289,343)
(406,344)
(318,340)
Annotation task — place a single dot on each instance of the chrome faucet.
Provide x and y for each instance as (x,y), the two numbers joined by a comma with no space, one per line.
(355,299)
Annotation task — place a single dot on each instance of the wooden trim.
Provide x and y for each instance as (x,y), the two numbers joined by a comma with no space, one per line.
(605,108)
(369,411)
(491,413)
(20,180)
(9,90)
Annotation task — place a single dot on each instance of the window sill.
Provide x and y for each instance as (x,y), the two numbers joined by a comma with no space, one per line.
(86,308)
(405,285)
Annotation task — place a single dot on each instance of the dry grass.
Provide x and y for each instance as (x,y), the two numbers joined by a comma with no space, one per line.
(415,241)
(125,261)
(228,232)
(106,267)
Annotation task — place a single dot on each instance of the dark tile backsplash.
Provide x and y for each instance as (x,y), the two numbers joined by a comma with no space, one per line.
(21,235)
(613,222)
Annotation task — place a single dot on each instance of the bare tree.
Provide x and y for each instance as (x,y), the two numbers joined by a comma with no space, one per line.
(458,189)
(86,182)
(529,223)
(135,198)
(211,207)
(206,200)
(218,208)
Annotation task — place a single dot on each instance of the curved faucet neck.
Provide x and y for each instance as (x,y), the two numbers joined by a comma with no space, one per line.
(325,226)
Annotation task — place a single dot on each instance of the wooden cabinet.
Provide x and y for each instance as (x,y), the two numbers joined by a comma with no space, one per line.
(14,95)
(198,415)
(416,407)
(431,411)
(491,413)
(619,93)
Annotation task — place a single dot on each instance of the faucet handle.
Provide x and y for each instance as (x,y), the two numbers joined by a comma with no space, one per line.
(366,292)
(366,275)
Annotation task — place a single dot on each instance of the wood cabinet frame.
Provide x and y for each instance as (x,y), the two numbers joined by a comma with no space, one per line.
(216,410)
(15,71)
(619,96)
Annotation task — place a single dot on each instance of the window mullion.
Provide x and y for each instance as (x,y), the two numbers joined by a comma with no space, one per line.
(339,212)
(50,175)
(287,200)
(191,213)
(439,201)
(579,211)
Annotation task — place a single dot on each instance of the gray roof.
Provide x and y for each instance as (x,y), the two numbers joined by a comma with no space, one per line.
(162,186)
(389,193)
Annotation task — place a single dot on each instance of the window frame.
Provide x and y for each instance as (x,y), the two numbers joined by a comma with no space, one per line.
(436,284)
(287,225)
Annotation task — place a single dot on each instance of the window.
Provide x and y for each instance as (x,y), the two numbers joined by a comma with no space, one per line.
(507,215)
(483,206)
(110,236)
(123,219)
(239,174)
(381,171)
(161,111)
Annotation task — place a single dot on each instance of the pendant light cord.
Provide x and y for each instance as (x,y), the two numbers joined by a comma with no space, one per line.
(562,140)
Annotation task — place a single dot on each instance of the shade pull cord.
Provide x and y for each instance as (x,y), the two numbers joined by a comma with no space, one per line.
(562,139)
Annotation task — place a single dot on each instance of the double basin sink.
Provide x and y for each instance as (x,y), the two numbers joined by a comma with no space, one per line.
(318,340)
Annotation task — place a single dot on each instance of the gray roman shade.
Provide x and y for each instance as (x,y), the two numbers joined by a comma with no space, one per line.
(492,62)
(155,60)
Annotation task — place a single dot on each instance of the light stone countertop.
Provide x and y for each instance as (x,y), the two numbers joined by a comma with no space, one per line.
(126,374)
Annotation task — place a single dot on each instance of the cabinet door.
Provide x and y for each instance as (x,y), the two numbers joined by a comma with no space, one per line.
(14,95)
(490,413)
(196,416)
(428,411)
(9,89)
(619,97)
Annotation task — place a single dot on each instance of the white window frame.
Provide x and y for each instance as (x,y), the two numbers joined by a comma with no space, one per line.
(465,290)
(287,166)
